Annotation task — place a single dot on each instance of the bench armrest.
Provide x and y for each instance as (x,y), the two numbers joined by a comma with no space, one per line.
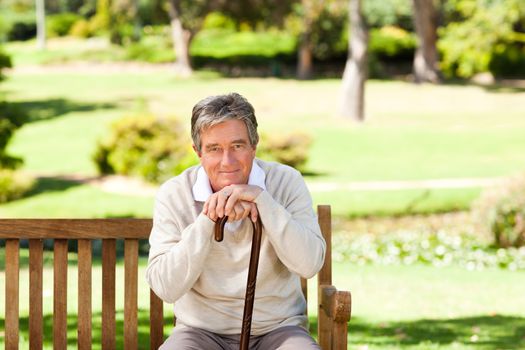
(337,308)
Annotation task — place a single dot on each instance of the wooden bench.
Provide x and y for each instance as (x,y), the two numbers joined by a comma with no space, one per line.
(333,313)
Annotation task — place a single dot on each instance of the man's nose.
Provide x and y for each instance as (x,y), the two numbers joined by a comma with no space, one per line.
(228,158)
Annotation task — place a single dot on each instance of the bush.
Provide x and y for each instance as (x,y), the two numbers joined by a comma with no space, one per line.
(483,37)
(21,31)
(153,49)
(390,42)
(439,249)
(290,149)
(61,24)
(218,20)
(5,62)
(81,29)
(13,185)
(152,148)
(501,212)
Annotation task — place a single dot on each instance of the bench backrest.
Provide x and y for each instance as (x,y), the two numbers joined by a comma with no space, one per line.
(85,231)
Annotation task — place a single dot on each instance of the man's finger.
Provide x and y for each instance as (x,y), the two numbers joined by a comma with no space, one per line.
(222,197)
(254,212)
(211,212)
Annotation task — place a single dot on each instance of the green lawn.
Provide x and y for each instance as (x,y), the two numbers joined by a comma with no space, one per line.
(412,132)
(394,307)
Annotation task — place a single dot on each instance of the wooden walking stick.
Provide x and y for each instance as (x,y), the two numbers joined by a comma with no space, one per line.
(252,276)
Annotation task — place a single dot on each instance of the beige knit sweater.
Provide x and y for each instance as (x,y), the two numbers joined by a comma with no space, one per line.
(207,279)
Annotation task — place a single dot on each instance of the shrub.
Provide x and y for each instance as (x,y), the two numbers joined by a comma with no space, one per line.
(5,62)
(481,37)
(13,185)
(390,42)
(290,149)
(61,23)
(422,247)
(500,210)
(153,49)
(218,20)
(152,148)
(81,29)
(21,31)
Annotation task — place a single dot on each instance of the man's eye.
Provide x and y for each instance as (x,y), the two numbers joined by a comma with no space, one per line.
(238,146)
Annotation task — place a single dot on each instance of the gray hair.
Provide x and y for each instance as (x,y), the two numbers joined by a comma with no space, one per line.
(217,109)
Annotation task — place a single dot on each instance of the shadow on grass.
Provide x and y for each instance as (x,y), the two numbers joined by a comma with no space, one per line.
(46,184)
(500,86)
(39,110)
(72,324)
(483,332)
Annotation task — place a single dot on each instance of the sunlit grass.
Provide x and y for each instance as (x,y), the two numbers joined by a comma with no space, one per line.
(412,132)
(394,307)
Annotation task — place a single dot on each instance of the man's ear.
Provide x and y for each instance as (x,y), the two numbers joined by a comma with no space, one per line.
(199,154)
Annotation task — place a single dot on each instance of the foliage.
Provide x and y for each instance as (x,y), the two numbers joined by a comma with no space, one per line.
(23,30)
(380,13)
(223,44)
(5,62)
(433,248)
(81,29)
(389,43)
(61,23)
(17,22)
(13,184)
(290,149)
(325,26)
(482,36)
(501,212)
(154,49)
(218,20)
(7,129)
(145,146)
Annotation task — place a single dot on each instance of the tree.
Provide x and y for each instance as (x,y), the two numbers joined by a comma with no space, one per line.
(426,56)
(356,70)
(185,19)
(41,24)
(311,9)
(483,36)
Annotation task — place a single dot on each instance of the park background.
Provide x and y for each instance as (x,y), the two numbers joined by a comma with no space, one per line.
(426,182)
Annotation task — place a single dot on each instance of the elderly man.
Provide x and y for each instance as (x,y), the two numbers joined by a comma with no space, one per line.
(205,279)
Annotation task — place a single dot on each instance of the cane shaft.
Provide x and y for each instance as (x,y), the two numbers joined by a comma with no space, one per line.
(252,277)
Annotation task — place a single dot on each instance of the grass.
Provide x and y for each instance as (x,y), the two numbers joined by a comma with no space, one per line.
(409,307)
(412,132)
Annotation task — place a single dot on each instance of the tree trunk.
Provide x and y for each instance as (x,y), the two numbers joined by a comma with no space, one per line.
(305,60)
(41,24)
(426,57)
(181,40)
(356,68)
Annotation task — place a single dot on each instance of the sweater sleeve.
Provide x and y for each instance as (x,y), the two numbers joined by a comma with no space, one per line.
(293,230)
(176,258)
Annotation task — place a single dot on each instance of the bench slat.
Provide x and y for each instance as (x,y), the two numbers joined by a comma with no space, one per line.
(84,294)
(36,247)
(60,294)
(12,275)
(324,328)
(131,269)
(75,228)
(156,316)
(108,296)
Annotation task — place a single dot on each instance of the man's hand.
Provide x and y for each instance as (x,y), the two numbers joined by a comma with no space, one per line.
(234,201)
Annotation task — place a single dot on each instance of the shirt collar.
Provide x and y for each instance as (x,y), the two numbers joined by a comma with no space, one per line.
(202,188)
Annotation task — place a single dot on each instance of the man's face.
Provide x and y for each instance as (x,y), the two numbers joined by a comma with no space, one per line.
(226,154)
